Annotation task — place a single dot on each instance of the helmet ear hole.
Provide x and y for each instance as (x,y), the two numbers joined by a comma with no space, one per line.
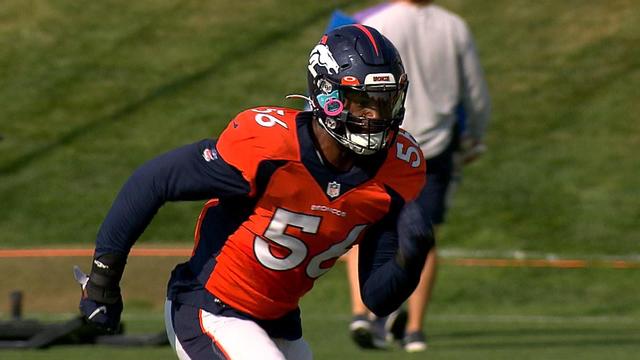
(333,107)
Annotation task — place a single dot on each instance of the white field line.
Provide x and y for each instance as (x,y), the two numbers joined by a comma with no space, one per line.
(452,253)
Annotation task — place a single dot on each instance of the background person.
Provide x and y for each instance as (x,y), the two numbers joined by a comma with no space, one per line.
(446,81)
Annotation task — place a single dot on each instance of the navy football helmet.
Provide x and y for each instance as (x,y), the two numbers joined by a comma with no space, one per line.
(357,64)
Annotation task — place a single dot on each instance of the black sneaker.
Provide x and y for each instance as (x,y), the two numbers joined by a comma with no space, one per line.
(414,342)
(360,328)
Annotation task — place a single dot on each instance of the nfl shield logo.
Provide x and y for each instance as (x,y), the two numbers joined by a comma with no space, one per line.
(333,189)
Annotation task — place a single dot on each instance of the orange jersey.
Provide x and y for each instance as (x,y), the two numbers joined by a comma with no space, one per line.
(305,216)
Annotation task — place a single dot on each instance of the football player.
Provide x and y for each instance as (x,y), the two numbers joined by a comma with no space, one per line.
(288,193)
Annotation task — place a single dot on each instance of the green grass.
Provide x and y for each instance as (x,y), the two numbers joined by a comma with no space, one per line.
(457,339)
(90,91)
(487,314)
(558,176)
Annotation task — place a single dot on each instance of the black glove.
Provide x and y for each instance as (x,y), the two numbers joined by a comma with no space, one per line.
(101,302)
(415,237)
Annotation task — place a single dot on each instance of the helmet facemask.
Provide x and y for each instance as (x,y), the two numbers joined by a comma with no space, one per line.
(346,112)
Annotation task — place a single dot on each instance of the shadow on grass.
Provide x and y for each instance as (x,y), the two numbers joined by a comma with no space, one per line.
(264,41)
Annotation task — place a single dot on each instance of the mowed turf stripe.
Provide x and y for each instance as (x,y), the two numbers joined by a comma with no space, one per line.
(139,252)
(454,261)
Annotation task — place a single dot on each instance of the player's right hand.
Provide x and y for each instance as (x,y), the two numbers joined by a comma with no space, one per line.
(102,315)
(101,301)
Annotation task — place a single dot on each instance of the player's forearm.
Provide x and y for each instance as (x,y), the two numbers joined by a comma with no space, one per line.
(388,287)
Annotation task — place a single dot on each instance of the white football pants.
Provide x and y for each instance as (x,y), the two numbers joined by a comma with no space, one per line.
(236,339)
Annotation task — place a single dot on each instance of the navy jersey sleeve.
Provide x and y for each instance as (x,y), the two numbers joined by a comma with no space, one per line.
(384,284)
(191,172)
(385,281)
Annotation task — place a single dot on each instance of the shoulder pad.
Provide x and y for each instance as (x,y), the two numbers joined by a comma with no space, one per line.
(254,135)
(404,169)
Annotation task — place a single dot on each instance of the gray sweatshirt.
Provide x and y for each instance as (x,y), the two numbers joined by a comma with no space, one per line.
(444,71)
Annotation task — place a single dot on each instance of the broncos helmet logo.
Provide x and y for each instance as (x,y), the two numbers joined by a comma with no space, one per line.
(321,55)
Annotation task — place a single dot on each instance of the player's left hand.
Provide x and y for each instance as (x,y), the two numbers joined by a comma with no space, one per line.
(102,315)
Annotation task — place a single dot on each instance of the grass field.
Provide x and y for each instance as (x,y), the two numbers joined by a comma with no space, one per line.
(477,313)
(93,89)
